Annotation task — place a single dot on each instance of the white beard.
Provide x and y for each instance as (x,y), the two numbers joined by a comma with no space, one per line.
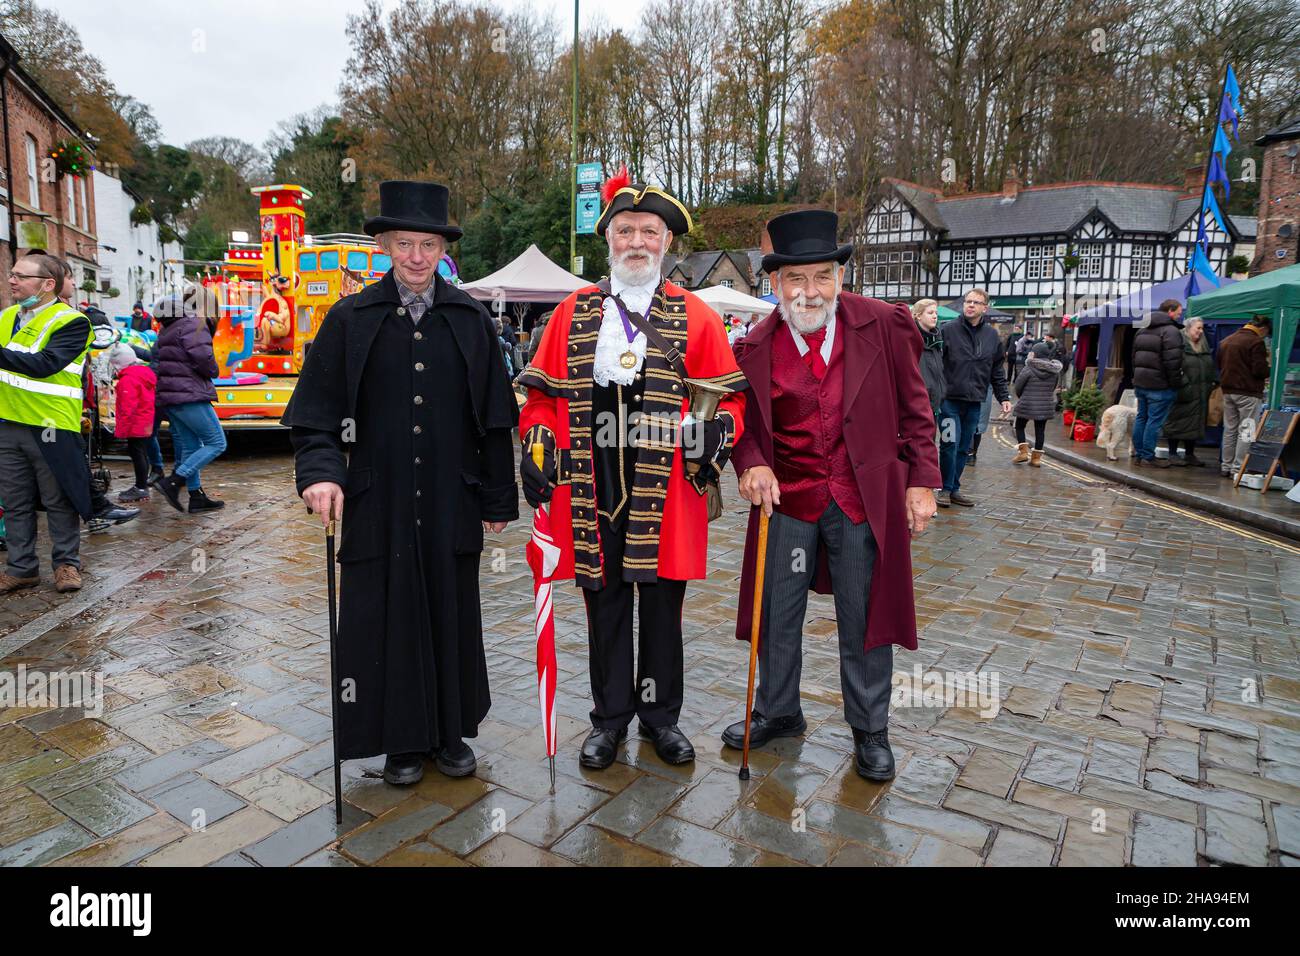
(809,321)
(643,272)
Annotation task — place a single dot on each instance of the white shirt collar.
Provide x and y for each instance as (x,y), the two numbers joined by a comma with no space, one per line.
(827,343)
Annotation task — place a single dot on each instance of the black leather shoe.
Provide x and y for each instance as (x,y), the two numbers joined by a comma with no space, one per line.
(875,761)
(404,769)
(670,744)
(456,760)
(599,748)
(762,729)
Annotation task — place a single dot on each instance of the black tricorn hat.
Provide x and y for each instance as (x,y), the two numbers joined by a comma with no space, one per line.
(622,195)
(413,207)
(803,237)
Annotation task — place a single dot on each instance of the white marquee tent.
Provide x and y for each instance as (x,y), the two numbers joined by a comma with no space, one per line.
(530,278)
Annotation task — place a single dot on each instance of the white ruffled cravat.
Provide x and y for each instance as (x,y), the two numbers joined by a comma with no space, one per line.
(612,341)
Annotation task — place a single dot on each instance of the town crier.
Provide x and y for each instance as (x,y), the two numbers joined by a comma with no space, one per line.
(838,448)
(405,414)
(606,400)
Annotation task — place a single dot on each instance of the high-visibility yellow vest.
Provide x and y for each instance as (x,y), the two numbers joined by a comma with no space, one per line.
(53,400)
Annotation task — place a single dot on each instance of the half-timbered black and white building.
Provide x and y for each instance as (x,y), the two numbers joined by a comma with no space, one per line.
(1038,250)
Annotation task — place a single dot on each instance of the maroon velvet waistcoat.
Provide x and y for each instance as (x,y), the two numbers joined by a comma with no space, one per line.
(812,464)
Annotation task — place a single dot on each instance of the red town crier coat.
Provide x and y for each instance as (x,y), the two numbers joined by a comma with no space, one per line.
(135,389)
(889,434)
(559,383)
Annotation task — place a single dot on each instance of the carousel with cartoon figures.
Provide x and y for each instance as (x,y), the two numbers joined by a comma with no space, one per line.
(273,297)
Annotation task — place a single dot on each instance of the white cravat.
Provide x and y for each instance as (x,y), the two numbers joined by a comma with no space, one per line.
(827,343)
(612,341)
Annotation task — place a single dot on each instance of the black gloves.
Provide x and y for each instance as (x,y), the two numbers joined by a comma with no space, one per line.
(537,483)
(701,441)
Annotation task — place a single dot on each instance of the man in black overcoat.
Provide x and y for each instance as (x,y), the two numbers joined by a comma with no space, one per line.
(403,426)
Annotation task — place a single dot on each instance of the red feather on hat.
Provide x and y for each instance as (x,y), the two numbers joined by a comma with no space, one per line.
(614,184)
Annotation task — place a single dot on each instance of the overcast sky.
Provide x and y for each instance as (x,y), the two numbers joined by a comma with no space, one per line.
(246,80)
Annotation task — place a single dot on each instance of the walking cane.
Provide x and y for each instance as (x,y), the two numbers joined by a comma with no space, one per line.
(754,628)
(334,680)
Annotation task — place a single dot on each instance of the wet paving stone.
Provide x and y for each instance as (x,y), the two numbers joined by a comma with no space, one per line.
(1055,768)
(592,846)
(280,793)
(711,800)
(406,822)
(636,807)
(23,813)
(861,828)
(508,850)
(548,820)
(188,796)
(127,846)
(204,847)
(259,756)
(931,851)
(1013,848)
(479,822)
(1230,838)
(89,771)
(686,841)
(952,827)
(779,836)
(45,847)
(303,838)
(103,808)
(150,773)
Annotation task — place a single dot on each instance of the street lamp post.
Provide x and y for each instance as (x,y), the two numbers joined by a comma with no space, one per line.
(573,151)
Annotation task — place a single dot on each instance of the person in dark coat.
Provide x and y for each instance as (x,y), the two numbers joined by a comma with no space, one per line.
(185,366)
(1157,376)
(972,361)
(1242,361)
(926,314)
(1186,421)
(404,414)
(1036,388)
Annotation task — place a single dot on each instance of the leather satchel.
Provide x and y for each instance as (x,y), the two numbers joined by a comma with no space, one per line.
(712,490)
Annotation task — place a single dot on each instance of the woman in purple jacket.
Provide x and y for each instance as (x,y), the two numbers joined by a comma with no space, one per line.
(185,366)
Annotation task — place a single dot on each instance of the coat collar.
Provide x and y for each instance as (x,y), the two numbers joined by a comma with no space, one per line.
(855,316)
(464,316)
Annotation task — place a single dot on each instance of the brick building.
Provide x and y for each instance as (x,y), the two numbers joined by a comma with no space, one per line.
(41,209)
(1278,241)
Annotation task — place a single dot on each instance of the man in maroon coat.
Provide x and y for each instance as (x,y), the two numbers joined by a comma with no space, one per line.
(838,449)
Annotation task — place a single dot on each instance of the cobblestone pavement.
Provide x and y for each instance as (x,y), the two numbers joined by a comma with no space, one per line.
(1145,662)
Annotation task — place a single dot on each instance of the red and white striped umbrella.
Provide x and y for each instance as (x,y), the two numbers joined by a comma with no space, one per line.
(543,558)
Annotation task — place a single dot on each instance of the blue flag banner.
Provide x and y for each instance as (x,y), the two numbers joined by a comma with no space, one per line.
(1202,267)
(1201,237)
(1228,114)
(1221,144)
(1217,172)
(1193,287)
(1208,202)
(1234,91)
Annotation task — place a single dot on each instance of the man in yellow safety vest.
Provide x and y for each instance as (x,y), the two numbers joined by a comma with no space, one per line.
(43,348)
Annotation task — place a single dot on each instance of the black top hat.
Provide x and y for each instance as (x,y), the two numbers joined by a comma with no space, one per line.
(622,195)
(803,237)
(413,207)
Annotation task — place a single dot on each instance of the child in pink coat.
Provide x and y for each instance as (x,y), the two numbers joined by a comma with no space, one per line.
(135,386)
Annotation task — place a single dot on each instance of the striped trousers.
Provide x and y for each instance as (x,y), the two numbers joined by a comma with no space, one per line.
(792,551)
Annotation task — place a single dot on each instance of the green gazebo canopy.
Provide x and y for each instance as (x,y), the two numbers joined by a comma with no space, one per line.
(1275,294)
